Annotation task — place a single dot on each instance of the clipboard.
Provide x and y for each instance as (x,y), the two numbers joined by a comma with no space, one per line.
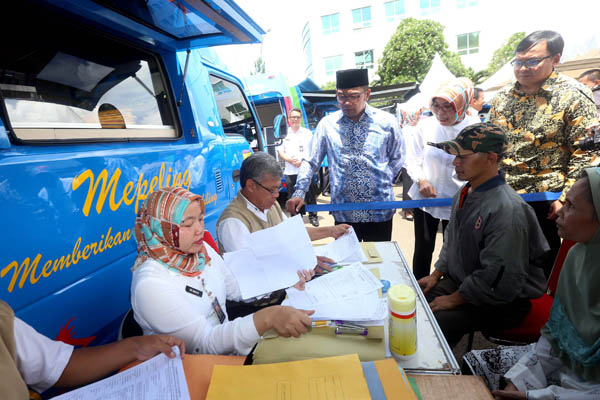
(371,253)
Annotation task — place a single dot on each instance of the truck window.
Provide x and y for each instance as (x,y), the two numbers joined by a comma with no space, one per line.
(71,84)
(234,111)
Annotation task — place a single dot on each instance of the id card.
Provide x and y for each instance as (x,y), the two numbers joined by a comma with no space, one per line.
(218,310)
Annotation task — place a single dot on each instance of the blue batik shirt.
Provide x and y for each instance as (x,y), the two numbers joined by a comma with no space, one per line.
(364,158)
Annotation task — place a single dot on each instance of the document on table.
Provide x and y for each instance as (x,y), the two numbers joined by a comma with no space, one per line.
(158,378)
(368,307)
(344,249)
(273,258)
(337,378)
(349,282)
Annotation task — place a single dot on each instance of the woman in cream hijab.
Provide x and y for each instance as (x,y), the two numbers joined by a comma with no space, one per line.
(565,362)
(431,169)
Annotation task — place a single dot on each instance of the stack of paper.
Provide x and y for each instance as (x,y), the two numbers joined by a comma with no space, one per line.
(157,378)
(350,293)
(273,258)
(345,249)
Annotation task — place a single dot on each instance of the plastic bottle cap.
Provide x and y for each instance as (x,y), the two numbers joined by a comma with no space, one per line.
(402,298)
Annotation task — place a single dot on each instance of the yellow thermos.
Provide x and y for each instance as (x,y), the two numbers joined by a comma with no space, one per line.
(403,321)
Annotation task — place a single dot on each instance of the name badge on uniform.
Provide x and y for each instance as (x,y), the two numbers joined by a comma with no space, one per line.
(193,291)
(218,310)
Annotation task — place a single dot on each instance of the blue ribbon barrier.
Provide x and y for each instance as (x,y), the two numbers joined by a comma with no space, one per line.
(384,205)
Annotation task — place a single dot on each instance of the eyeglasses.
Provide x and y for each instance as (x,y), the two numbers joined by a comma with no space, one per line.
(273,192)
(295,117)
(352,98)
(446,107)
(529,63)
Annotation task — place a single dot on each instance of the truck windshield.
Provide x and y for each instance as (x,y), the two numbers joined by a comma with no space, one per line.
(72,84)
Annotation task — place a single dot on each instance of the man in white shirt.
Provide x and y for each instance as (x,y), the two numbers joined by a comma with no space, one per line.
(30,360)
(255,208)
(293,149)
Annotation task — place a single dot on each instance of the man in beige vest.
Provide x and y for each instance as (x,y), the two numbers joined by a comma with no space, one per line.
(255,208)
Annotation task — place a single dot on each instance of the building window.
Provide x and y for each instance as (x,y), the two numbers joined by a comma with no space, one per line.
(364,59)
(394,10)
(331,23)
(332,64)
(429,6)
(466,3)
(361,17)
(468,43)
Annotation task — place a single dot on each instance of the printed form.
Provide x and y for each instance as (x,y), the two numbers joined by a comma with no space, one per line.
(160,378)
(345,249)
(273,258)
(345,283)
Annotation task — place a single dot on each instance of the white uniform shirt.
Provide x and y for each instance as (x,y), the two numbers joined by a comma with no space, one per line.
(296,145)
(161,304)
(41,361)
(435,165)
(233,234)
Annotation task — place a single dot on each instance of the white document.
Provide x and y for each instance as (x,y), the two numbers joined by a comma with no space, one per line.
(351,281)
(160,378)
(345,249)
(367,307)
(273,258)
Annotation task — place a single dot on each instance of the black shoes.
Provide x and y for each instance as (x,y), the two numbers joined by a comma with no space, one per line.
(314,220)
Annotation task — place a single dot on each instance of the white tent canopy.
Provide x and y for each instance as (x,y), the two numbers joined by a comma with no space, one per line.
(436,76)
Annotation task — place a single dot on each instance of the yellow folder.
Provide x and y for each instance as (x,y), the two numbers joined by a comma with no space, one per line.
(338,378)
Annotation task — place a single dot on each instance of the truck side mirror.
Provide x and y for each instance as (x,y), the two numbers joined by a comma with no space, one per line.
(280,126)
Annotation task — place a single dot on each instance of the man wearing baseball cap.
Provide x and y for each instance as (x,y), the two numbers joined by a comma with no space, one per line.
(488,267)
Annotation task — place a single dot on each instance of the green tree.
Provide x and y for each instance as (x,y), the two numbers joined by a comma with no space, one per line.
(259,66)
(409,53)
(328,86)
(505,53)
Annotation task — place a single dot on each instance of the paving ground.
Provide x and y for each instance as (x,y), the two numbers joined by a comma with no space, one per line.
(403,234)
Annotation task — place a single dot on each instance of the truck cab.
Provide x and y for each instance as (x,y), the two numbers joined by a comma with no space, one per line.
(101,103)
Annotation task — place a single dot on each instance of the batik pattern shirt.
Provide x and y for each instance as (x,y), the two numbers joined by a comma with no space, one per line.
(542,128)
(364,158)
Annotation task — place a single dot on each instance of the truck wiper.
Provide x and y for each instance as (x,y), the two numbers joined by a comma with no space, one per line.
(187,60)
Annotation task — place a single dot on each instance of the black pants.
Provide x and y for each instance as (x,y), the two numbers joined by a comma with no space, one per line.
(426,228)
(550,232)
(371,231)
(237,309)
(311,195)
(466,318)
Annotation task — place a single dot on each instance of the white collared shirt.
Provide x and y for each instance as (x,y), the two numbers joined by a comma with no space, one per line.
(162,303)
(233,234)
(435,165)
(41,361)
(296,145)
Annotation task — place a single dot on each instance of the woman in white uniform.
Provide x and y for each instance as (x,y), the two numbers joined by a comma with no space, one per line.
(180,285)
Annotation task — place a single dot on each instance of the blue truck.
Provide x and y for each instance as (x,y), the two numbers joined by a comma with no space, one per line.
(101,103)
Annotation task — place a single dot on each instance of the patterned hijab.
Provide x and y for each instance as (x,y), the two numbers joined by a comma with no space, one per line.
(574,323)
(157,231)
(458,92)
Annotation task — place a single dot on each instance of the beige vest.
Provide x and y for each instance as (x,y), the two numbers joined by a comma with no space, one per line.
(238,208)
(12,385)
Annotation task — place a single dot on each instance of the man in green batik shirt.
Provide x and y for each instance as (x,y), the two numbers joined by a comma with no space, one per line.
(544,113)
